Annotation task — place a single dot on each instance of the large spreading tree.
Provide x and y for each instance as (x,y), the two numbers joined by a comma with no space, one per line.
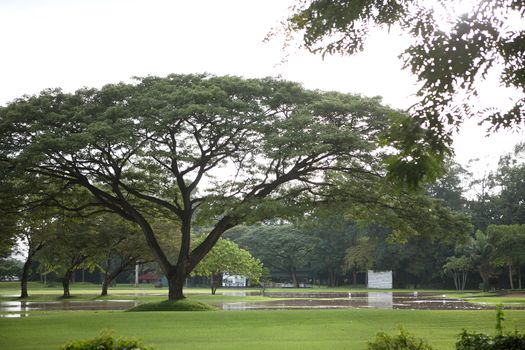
(192,147)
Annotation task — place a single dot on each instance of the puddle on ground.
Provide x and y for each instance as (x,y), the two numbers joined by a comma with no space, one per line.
(18,308)
(307,300)
(237,293)
(374,300)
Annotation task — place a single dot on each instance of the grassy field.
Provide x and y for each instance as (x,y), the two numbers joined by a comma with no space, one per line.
(276,329)
(304,329)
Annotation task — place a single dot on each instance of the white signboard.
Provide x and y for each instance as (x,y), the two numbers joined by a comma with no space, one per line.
(380,279)
(233,281)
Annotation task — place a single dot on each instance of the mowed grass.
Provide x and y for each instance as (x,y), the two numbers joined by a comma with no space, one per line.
(294,329)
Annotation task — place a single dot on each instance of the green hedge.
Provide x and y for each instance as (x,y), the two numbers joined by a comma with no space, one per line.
(403,341)
(105,341)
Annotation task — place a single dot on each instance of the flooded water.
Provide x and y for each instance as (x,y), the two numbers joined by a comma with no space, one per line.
(237,293)
(19,308)
(374,300)
(283,301)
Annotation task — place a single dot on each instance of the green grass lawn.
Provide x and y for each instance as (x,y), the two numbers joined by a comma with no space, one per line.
(291,329)
(304,329)
(492,298)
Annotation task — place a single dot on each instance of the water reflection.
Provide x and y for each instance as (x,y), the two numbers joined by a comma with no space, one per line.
(237,293)
(13,315)
(375,300)
(380,300)
(281,301)
(18,308)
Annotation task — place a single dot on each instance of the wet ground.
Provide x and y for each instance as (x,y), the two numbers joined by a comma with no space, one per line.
(19,308)
(284,301)
(376,300)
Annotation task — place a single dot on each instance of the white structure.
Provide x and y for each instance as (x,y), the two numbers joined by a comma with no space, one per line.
(233,281)
(379,279)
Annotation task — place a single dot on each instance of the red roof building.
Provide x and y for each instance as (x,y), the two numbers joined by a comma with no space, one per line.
(149,277)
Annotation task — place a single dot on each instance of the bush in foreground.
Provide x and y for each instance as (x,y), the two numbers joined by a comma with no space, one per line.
(403,341)
(105,341)
(480,341)
(179,305)
(467,340)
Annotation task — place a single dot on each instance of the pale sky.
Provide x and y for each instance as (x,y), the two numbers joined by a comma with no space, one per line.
(76,43)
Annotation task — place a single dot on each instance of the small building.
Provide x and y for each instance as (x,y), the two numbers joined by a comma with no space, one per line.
(149,277)
(379,279)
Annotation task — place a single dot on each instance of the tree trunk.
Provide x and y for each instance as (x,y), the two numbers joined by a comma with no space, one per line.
(110,277)
(215,282)
(519,276)
(510,277)
(212,284)
(455,278)
(175,286)
(331,278)
(27,267)
(354,278)
(464,280)
(293,275)
(25,276)
(65,284)
(484,274)
(105,285)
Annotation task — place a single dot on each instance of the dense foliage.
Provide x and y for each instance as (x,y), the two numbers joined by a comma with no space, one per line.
(452,48)
(402,341)
(227,258)
(105,341)
(480,341)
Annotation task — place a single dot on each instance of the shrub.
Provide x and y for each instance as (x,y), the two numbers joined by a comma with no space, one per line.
(403,341)
(105,341)
(480,341)
(179,305)
(500,341)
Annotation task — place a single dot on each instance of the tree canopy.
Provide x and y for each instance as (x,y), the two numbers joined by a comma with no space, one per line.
(220,150)
(281,247)
(451,50)
(227,257)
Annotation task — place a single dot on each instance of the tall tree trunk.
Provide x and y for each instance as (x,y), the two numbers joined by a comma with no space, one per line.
(26,270)
(65,283)
(176,277)
(519,276)
(464,280)
(175,286)
(354,278)
(484,274)
(293,274)
(331,280)
(215,282)
(110,277)
(455,278)
(510,277)
(105,285)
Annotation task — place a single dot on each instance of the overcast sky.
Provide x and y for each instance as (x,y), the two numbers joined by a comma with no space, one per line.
(76,43)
